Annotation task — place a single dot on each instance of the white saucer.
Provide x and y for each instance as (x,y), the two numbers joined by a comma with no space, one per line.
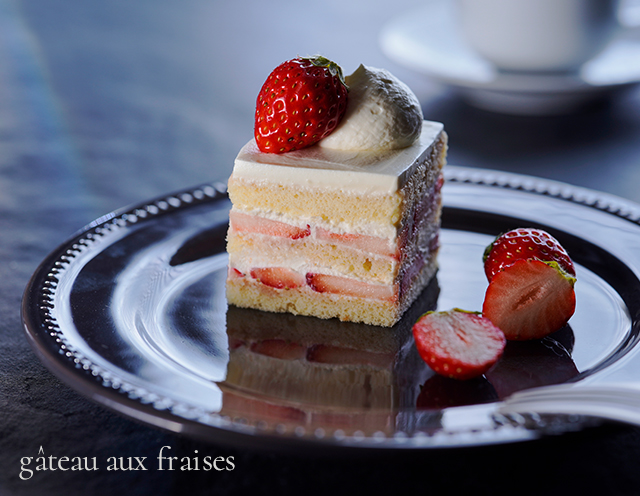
(428,40)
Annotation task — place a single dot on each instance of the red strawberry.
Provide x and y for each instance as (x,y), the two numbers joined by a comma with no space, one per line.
(301,102)
(372,244)
(278,277)
(525,243)
(458,344)
(346,286)
(530,299)
(240,222)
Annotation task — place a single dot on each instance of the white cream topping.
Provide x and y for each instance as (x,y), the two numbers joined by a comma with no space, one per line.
(382,113)
(361,172)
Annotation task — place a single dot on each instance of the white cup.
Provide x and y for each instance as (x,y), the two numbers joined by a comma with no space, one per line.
(538,35)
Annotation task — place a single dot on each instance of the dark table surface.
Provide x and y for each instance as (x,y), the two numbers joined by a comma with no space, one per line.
(108,103)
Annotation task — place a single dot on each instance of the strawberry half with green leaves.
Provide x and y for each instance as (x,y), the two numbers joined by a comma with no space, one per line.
(525,243)
(301,102)
(458,344)
(530,299)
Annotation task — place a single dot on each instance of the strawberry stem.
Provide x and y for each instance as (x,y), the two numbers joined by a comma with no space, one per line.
(334,69)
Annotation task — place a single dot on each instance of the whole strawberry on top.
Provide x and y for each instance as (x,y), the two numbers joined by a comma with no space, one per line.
(301,102)
(525,243)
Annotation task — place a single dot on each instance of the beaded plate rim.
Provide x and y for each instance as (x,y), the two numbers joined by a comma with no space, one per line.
(50,344)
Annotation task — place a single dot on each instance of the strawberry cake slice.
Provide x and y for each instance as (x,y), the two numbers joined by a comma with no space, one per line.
(344,226)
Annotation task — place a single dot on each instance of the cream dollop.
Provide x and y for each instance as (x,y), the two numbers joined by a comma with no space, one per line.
(382,114)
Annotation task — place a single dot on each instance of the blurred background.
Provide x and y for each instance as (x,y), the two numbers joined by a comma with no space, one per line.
(168,88)
(107,103)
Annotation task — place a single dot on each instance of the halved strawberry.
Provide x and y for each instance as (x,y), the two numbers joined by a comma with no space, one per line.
(240,222)
(325,283)
(525,243)
(530,299)
(457,343)
(278,277)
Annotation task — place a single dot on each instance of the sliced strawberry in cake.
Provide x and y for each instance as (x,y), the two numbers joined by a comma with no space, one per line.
(245,223)
(344,286)
(278,277)
(370,244)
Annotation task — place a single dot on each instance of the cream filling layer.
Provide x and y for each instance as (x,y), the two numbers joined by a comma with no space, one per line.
(299,265)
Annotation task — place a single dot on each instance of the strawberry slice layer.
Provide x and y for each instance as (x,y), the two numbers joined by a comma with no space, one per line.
(278,277)
(246,223)
(530,299)
(370,244)
(458,344)
(325,283)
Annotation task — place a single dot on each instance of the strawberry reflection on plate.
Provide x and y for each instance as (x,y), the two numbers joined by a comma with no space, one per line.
(523,365)
(534,363)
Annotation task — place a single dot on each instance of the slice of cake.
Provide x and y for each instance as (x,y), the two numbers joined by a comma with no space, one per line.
(348,226)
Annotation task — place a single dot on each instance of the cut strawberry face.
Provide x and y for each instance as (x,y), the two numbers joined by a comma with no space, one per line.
(245,223)
(325,283)
(525,243)
(458,344)
(530,299)
(278,277)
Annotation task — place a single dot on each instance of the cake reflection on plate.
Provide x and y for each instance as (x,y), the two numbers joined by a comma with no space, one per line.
(287,368)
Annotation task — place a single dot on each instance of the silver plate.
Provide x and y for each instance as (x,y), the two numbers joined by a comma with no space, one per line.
(131,312)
